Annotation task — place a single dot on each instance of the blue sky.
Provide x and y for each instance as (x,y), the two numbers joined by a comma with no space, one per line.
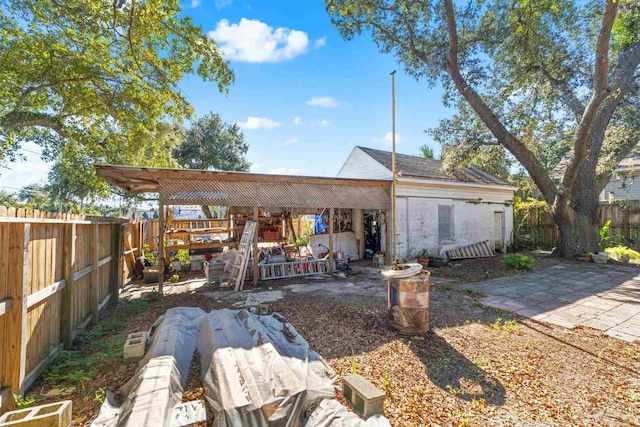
(304,96)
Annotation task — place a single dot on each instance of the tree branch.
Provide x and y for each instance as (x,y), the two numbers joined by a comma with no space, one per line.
(18,119)
(568,96)
(601,92)
(504,137)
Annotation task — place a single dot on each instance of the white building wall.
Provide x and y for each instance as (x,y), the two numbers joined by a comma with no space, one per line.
(417,222)
(623,188)
(360,165)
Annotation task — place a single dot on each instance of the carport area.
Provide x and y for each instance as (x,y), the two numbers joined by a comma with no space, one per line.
(250,196)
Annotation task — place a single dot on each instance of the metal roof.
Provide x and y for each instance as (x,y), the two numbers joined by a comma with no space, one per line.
(241,189)
(420,167)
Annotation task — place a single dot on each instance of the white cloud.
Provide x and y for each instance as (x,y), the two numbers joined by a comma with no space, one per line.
(325,123)
(298,121)
(253,123)
(254,41)
(323,101)
(291,141)
(195,3)
(287,171)
(320,42)
(386,140)
(221,4)
(255,167)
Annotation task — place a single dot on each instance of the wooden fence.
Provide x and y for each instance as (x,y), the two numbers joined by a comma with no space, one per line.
(535,227)
(57,273)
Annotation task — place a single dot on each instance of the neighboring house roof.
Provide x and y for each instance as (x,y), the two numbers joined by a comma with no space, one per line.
(420,167)
(629,162)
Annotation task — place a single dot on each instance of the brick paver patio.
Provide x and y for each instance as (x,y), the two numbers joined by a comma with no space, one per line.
(606,298)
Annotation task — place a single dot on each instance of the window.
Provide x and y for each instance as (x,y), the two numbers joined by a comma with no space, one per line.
(445,223)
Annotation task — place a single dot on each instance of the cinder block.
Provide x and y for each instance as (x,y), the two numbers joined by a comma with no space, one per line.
(188,414)
(364,396)
(264,309)
(134,347)
(51,415)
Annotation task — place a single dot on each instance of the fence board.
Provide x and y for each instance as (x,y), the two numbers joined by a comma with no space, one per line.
(42,304)
(536,227)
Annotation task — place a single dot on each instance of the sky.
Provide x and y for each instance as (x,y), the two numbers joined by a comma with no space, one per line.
(303,95)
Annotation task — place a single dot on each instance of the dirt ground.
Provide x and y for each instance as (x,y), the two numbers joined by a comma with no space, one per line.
(477,366)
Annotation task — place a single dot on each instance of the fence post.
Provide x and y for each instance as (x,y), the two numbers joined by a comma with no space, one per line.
(18,277)
(66,310)
(115,267)
(95,276)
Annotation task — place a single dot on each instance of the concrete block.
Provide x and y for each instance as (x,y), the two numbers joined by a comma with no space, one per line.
(51,415)
(188,414)
(134,347)
(364,396)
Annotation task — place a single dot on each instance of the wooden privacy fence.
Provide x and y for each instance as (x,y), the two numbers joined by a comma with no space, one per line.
(57,273)
(535,226)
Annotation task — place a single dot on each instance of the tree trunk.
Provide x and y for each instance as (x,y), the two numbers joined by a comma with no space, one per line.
(577,236)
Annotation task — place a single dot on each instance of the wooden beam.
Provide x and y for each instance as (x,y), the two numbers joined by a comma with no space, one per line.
(13,220)
(82,272)
(32,376)
(94,297)
(45,293)
(388,239)
(66,311)
(105,260)
(331,241)
(104,302)
(5,305)
(256,215)
(6,400)
(357,219)
(114,267)
(18,282)
(161,254)
(121,261)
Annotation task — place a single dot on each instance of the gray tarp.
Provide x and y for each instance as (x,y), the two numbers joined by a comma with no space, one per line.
(258,371)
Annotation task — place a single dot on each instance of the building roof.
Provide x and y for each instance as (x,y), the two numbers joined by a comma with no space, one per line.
(420,167)
(242,189)
(632,161)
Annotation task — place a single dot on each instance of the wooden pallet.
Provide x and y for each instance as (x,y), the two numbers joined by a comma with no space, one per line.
(474,250)
(239,268)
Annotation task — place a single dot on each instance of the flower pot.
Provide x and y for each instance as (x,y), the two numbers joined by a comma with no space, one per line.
(424,262)
(600,258)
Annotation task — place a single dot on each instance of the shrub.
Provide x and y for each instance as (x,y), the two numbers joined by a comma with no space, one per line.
(518,262)
(148,254)
(183,256)
(174,278)
(622,253)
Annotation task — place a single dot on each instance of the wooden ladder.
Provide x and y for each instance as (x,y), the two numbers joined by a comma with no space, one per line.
(239,268)
(474,250)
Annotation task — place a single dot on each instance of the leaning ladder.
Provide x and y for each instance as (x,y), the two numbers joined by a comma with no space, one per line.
(474,250)
(239,268)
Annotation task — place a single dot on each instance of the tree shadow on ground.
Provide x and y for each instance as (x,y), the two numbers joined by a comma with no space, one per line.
(450,370)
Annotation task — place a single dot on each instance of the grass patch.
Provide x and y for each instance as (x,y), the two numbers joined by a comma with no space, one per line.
(511,326)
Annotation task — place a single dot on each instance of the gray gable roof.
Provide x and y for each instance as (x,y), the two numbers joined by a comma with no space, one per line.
(419,167)
(631,161)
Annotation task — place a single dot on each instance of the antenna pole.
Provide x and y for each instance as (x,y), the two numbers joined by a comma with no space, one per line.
(393,165)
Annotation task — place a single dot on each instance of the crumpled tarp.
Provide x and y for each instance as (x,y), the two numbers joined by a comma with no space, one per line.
(157,385)
(331,413)
(258,371)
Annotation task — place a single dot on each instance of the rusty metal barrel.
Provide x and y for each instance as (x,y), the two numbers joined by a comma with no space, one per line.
(408,298)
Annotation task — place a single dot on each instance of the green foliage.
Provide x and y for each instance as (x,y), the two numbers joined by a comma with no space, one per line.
(148,254)
(426,151)
(305,238)
(99,76)
(210,143)
(136,306)
(518,262)
(183,256)
(622,253)
(525,214)
(511,326)
(174,278)
(605,240)
(27,401)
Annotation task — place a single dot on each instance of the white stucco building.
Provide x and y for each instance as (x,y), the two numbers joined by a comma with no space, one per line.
(436,211)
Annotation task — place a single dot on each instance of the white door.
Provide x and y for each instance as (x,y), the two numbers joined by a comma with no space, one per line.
(498,230)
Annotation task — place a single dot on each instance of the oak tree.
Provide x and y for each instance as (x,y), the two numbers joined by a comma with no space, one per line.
(536,74)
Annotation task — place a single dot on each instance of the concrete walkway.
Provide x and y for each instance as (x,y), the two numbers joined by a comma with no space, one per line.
(606,298)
